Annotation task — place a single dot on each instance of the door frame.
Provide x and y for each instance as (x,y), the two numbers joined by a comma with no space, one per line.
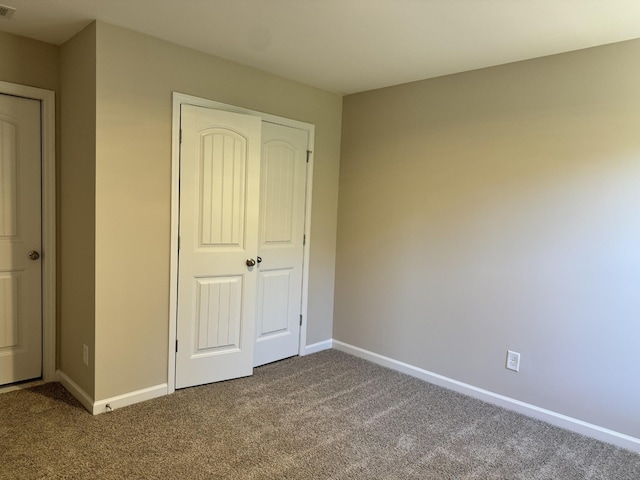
(180,99)
(48,218)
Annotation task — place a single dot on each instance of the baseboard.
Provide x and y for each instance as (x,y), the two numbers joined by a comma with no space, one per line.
(316,347)
(74,389)
(130,398)
(554,418)
(100,406)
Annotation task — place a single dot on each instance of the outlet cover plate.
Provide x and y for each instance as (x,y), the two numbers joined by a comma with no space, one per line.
(513,361)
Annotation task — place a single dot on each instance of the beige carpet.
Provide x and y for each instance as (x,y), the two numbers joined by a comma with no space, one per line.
(325,416)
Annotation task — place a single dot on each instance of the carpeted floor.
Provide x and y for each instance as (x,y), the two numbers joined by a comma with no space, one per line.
(325,416)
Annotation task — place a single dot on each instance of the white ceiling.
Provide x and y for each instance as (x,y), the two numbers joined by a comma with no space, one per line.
(347,46)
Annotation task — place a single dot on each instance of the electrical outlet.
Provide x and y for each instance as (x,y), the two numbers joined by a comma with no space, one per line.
(513,361)
(85,355)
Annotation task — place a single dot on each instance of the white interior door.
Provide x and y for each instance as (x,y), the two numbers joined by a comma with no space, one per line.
(282,209)
(219,213)
(20,240)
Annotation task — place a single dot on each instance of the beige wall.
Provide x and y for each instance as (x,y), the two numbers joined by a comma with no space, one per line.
(77,176)
(136,75)
(29,62)
(499,209)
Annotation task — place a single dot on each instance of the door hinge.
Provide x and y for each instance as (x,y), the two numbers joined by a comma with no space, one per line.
(179,238)
(180,135)
(309,152)
(304,239)
(300,319)
(176,346)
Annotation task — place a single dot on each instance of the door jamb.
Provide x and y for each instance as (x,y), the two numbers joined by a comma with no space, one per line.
(180,99)
(48,220)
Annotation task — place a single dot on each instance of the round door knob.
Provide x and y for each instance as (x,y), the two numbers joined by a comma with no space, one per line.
(250,262)
(33,255)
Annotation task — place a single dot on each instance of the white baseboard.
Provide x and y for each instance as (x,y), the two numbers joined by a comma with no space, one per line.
(100,406)
(72,387)
(316,347)
(130,398)
(554,418)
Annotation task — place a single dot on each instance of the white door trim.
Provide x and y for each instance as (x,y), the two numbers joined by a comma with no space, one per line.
(47,115)
(178,100)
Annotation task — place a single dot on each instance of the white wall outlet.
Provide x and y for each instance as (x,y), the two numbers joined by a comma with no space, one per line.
(513,361)
(85,354)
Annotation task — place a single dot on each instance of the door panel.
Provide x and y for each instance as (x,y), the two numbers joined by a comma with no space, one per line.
(219,212)
(282,208)
(218,313)
(274,302)
(20,233)
(221,188)
(9,294)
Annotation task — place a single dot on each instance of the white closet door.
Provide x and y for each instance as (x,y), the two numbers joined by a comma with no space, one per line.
(219,214)
(282,210)
(20,240)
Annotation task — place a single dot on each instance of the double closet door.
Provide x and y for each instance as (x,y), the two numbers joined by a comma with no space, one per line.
(242,214)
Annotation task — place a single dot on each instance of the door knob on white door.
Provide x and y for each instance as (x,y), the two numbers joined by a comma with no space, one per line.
(33,255)
(250,262)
